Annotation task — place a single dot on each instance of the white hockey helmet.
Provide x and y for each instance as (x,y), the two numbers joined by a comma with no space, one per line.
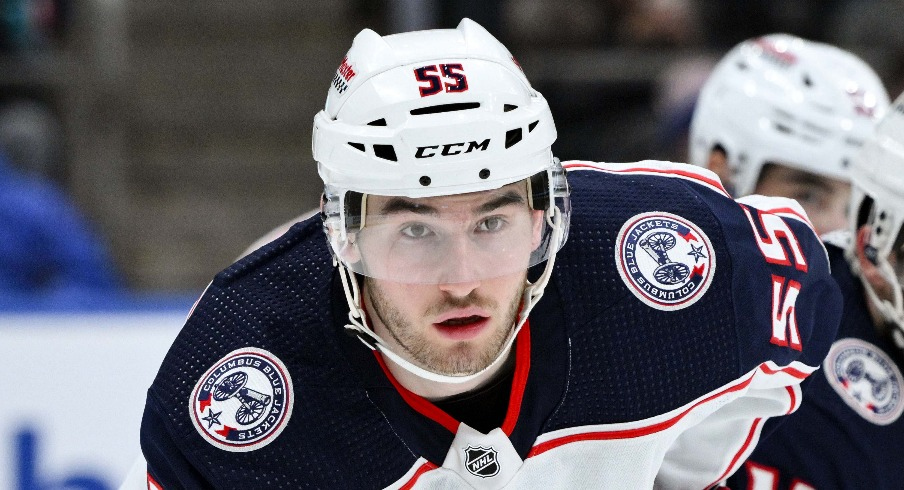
(431,113)
(783,99)
(877,199)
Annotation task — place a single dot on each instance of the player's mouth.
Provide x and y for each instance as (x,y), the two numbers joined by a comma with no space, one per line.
(462,325)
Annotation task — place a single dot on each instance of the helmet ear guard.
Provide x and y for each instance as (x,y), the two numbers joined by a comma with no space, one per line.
(877,199)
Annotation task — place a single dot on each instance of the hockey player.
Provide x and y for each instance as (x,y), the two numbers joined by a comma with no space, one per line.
(782,116)
(849,432)
(443,335)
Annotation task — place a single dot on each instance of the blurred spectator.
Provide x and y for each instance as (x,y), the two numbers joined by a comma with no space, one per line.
(32,24)
(46,246)
(594,24)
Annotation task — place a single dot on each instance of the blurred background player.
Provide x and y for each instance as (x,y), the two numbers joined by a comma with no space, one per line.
(848,432)
(782,116)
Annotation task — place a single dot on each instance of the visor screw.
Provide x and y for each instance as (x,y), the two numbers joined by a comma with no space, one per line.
(485,173)
(425,181)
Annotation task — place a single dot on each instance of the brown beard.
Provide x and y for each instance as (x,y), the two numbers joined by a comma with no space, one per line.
(461,359)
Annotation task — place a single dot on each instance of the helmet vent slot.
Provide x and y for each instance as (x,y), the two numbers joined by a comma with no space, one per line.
(509,107)
(512,137)
(377,122)
(357,146)
(783,128)
(386,152)
(531,126)
(438,109)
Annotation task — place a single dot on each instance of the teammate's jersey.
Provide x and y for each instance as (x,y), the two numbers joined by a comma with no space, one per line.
(675,322)
(848,432)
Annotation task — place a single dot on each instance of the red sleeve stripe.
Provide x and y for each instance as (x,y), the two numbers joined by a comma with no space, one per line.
(685,174)
(427,466)
(794,400)
(790,371)
(736,461)
(787,211)
(657,427)
(152,483)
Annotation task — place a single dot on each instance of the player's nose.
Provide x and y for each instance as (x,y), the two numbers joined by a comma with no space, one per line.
(460,274)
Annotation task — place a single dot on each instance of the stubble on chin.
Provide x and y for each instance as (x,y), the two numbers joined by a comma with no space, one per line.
(462,358)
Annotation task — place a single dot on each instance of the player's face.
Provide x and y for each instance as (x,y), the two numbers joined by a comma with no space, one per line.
(458,323)
(450,239)
(824,199)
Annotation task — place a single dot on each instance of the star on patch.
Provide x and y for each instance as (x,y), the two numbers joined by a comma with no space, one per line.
(212,418)
(696,253)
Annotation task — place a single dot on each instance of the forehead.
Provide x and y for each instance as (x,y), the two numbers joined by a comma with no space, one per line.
(510,194)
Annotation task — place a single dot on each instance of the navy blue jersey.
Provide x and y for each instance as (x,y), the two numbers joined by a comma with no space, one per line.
(848,432)
(676,318)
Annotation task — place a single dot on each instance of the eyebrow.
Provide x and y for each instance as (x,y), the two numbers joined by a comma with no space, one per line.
(401,205)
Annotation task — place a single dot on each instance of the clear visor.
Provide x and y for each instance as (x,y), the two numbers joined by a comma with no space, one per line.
(448,239)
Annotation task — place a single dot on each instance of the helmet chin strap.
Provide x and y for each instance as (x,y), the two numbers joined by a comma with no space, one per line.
(532,294)
(891,311)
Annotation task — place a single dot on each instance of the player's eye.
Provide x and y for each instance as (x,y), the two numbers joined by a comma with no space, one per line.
(416,230)
(491,224)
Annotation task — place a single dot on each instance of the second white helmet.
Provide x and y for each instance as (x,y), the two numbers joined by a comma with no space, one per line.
(782,99)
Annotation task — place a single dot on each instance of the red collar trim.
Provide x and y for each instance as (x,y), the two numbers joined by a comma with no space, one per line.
(431,411)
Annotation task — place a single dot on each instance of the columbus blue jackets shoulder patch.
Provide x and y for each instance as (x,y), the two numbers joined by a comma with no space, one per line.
(243,401)
(866,379)
(665,260)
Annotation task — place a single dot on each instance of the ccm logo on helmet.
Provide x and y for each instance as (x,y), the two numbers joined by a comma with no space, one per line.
(450,149)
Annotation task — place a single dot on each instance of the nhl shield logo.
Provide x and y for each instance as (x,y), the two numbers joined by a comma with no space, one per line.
(244,401)
(665,260)
(866,379)
(481,461)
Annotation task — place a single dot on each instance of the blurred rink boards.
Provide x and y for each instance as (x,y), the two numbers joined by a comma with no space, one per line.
(72,390)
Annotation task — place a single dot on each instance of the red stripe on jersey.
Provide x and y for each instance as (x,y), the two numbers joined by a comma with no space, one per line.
(793,397)
(522,369)
(788,211)
(427,466)
(787,370)
(431,411)
(152,483)
(419,403)
(651,429)
(689,174)
(736,460)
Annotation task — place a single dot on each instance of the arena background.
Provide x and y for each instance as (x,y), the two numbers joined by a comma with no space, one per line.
(182,131)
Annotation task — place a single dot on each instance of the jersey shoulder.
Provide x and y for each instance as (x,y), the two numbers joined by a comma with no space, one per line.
(665,240)
(260,376)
